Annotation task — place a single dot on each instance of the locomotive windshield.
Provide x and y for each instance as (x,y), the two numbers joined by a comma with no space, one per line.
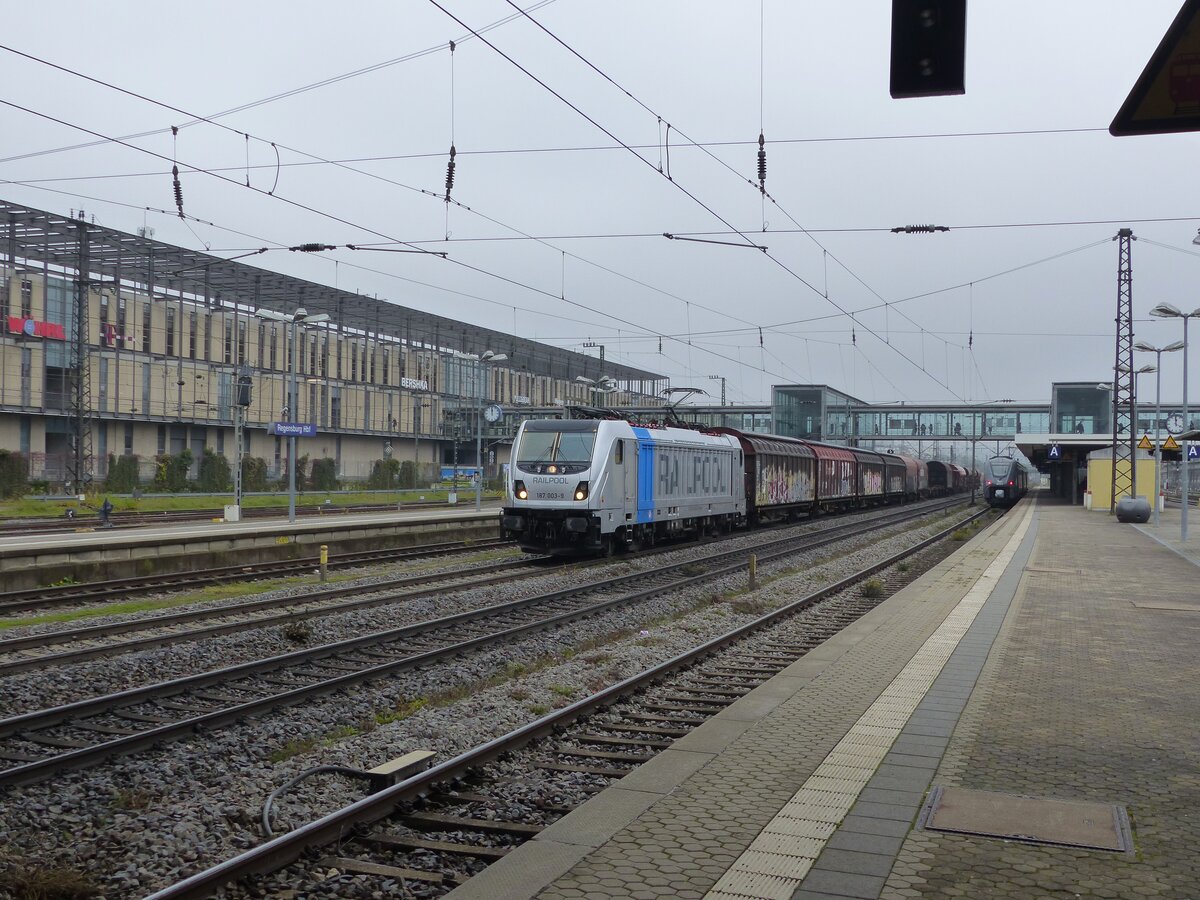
(1000,468)
(561,443)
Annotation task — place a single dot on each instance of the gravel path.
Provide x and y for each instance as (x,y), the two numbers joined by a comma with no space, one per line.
(144,822)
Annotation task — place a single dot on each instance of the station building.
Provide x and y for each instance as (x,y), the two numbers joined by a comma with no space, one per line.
(116,344)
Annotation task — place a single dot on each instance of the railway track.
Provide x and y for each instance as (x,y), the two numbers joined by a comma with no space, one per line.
(432,831)
(35,648)
(60,595)
(41,743)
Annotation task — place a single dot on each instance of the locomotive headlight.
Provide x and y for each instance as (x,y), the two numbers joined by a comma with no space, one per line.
(519,490)
(581,490)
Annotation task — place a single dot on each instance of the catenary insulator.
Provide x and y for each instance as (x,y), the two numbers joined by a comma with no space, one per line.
(762,161)
(450,172)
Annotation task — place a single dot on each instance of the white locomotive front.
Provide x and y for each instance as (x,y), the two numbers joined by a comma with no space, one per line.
(599,485)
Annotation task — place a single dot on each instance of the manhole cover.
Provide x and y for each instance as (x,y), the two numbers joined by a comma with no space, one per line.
(1073,823)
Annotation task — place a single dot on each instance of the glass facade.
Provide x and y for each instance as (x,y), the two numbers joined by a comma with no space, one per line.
(815,411)
(1081,408)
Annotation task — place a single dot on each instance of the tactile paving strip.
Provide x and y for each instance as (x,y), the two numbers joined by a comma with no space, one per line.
(771,868)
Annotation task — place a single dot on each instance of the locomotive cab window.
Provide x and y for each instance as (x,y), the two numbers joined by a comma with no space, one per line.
(618,452)
(556,447)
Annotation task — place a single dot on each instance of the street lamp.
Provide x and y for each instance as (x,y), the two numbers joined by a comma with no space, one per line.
(417,417)
(1168,311)
(299,317)
(598,386)
(1158,352)
(485,359)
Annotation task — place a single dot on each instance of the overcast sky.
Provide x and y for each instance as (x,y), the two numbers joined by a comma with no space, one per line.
(1025,146)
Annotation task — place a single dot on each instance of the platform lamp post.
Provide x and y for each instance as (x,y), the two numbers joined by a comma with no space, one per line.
(1158,352)
(417,422)
(1168,311)
(299,317)
(485,360)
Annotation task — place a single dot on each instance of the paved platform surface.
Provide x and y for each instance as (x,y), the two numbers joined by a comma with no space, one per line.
(1054,657)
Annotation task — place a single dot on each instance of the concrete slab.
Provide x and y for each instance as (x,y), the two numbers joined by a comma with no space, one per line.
(606,814)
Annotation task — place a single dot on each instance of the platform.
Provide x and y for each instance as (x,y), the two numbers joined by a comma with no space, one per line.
(1052,659)
(91,554)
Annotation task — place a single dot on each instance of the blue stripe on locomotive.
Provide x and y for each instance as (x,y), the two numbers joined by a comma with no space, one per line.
(645,475)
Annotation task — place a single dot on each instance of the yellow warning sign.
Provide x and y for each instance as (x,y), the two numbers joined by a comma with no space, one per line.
(1144,443)
(1166,96)
(1170,443)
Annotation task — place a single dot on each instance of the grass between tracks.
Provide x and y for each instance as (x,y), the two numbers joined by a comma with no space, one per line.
(229,591)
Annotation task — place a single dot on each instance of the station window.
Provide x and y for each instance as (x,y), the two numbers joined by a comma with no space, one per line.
(104,309)
(26,298)
(170,331)
(241,343)
(262,344)
(146,314)
(192,334)
(274,345)
(228,355)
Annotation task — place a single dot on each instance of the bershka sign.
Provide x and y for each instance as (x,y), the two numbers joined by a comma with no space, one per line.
(34,328)
(416,384)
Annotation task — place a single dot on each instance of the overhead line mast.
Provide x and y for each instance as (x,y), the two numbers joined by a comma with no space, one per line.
(1124,377)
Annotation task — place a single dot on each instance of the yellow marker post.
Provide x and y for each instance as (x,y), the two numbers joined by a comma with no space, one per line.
(324,563)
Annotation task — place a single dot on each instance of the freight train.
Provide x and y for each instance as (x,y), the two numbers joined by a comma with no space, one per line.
(601,486)
(1005,481)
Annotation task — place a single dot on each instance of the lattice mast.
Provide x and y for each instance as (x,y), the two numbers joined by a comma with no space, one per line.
(1124,478)
(82,458)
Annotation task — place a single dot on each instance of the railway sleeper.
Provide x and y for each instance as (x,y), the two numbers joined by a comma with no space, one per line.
(343,865)
(607,772)
(612,755)
(624,741)
(47,740)
(407,842)
(423,821)
(650,729)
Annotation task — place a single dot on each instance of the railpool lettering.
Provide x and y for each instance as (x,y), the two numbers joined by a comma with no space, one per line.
(691,472)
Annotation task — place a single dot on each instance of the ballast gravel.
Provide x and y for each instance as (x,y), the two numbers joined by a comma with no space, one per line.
(144,822)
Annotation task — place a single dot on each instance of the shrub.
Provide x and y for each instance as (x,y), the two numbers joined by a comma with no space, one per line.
(14,474)
(214,472)
(122,474)
(170,472)
(408,474)
(324,475)
(254,473)
(384,474)
(872,588)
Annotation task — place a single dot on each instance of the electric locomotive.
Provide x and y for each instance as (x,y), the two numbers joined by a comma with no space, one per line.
(601,486)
